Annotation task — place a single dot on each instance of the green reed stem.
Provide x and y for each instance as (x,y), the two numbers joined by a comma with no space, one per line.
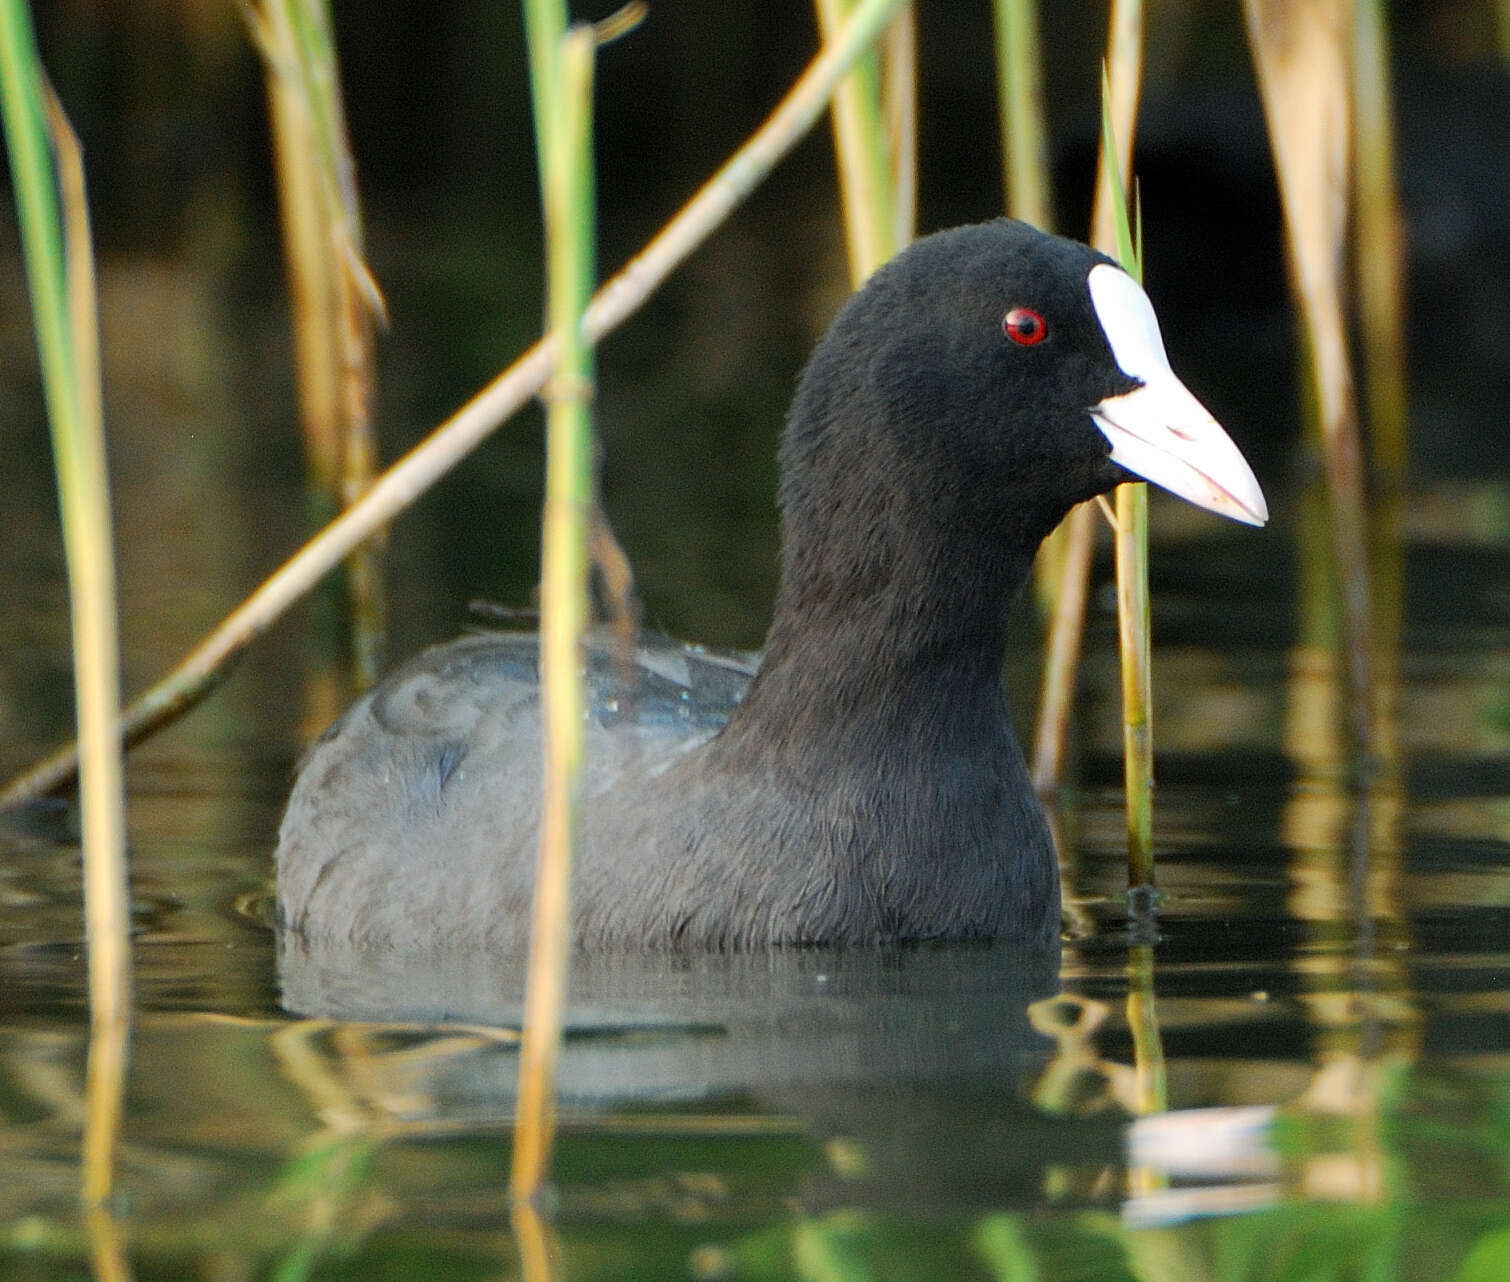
(1019,101)
(406,480)
(1137,690)
(60,277)
(1063,577)
(544,27)
(899,91)
(1122,79)
(1119,97)
(568,203)
(1026,195)
(861,143)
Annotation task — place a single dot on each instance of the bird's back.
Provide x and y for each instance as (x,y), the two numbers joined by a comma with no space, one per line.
(415,817)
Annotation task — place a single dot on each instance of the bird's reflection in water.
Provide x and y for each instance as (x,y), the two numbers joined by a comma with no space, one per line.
(913,1067)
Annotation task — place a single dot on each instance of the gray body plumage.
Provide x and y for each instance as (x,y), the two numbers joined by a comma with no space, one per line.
(414,820)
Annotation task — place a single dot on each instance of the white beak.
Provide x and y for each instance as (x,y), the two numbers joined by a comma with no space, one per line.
(1159,430)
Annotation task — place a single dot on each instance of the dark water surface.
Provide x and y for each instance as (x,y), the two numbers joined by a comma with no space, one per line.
(1321,1000)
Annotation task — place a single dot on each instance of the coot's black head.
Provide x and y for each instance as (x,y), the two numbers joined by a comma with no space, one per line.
(982,383)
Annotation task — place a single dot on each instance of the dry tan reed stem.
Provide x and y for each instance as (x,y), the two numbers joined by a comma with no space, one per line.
(305,248)
(331,290)
(861,146)
(1062,648)
(1379,244)
(1302,55)
(1379,263)
(92,574)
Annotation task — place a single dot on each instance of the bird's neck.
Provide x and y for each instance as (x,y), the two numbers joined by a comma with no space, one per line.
(877,735)
(891,645)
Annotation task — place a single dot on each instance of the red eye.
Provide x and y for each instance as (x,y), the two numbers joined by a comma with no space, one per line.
(1024,325)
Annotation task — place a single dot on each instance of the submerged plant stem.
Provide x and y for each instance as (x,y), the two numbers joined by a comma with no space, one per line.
(1150,1084)
(536,1240)
(413,474)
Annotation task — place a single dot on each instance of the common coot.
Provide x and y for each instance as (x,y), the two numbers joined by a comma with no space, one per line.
(867,786)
